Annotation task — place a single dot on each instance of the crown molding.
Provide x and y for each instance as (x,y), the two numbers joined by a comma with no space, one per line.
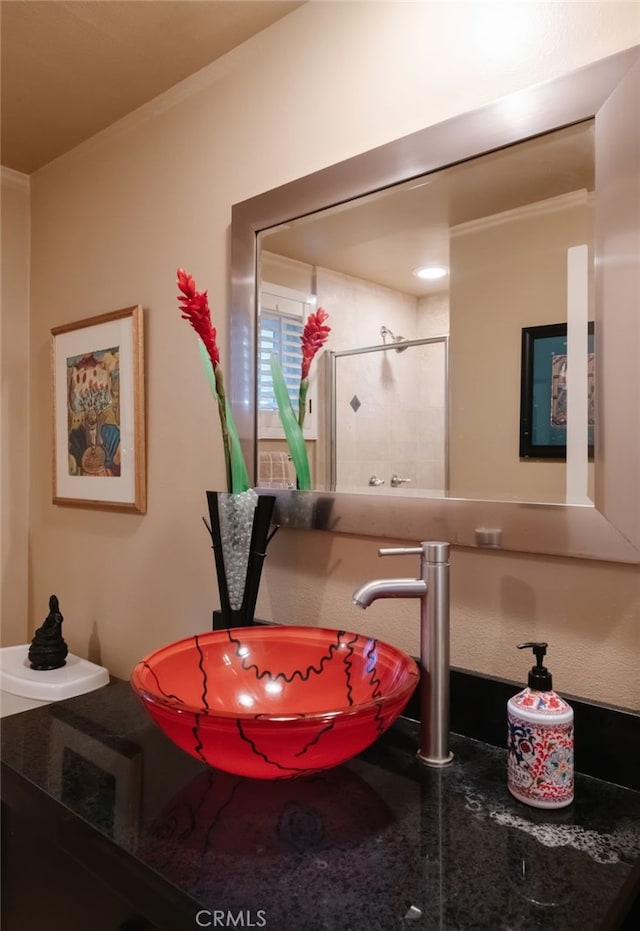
(13,178)
(539,208)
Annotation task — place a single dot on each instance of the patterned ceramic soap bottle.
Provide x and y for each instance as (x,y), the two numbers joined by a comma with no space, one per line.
(540,740)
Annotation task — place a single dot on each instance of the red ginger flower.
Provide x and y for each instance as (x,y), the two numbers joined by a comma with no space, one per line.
(195,308)
(313,338)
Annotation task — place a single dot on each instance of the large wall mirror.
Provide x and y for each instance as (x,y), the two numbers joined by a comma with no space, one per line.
(426,402)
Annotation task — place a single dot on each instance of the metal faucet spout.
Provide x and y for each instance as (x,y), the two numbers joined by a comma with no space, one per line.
(432,588)
(388,588)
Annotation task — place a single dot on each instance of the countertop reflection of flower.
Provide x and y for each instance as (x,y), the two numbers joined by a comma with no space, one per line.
(194,306)
(314,336)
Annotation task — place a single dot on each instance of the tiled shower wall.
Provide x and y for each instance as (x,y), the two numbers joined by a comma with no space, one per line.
(390,419)
(390,406)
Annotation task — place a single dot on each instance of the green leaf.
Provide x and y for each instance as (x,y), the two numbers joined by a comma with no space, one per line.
(292,428)
(239,474)
(234,460)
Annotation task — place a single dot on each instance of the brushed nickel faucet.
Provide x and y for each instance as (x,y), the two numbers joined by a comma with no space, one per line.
(432,588)
(396,481)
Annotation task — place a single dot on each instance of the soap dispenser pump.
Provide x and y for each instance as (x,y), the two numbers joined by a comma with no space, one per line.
(540,740)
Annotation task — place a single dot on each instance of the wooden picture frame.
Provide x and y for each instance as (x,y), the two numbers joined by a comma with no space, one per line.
(97,368)
(543,426)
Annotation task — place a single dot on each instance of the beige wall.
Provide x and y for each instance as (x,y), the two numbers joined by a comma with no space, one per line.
(507,272)
(14,406)
(113,220)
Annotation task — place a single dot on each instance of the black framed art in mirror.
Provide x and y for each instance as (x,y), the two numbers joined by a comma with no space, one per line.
(543,392)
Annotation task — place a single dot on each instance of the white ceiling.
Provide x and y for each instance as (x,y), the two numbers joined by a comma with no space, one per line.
(70,69)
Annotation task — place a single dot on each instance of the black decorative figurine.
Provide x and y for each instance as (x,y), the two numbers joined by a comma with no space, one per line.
(48,649)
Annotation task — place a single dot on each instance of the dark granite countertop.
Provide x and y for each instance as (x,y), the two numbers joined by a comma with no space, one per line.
(379,843)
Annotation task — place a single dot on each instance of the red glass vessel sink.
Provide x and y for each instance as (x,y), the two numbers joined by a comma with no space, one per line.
(275,702)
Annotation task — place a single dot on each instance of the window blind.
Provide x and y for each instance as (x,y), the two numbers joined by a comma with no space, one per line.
(278,335)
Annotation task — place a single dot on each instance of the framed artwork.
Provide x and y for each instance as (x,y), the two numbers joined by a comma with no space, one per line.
(543,392)
(98,412)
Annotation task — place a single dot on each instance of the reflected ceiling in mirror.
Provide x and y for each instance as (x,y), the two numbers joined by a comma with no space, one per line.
(382,237)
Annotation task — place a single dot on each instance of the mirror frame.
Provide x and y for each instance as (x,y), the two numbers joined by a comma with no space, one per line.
(609,529)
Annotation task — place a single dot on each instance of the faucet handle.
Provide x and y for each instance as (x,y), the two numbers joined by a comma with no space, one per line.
(400,551)
(433,551)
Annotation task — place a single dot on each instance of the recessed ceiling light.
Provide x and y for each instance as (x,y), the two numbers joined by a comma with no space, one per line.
(431,272)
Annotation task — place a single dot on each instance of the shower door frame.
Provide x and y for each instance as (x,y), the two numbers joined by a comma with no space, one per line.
(405,344)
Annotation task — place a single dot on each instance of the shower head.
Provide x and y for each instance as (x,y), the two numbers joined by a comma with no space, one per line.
(385,331)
